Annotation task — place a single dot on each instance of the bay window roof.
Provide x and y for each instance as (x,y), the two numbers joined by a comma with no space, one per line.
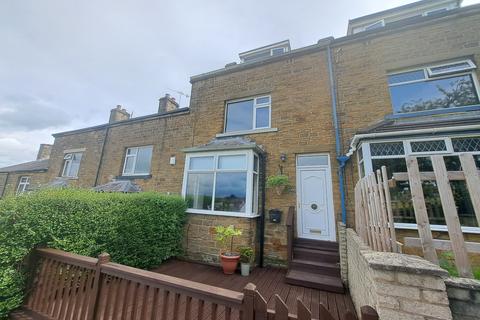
(227,143)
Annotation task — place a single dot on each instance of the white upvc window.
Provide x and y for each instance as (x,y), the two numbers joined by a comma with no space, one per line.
(137,161)
(23,184)
(71,164)
(393,153)
(222,183)
(434,87)
(248,114)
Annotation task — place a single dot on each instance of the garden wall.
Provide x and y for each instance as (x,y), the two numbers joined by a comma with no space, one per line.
(464,297)
(398,286)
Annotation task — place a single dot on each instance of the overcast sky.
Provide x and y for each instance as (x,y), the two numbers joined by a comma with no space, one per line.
(64,64)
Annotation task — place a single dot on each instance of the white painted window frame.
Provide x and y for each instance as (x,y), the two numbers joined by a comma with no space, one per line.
(368,167)
(68,159)
(250,154)
(381,21)
(23,185)
(427,77)
(134,156)
(254,117)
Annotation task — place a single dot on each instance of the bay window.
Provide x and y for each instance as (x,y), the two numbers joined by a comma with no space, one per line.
(224,183)
(445,86)
(392,154)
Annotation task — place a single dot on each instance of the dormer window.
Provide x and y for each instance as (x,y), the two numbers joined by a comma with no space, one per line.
(375,25)
(434,87)
(265,52)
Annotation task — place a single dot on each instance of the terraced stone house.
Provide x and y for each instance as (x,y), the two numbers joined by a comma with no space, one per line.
(401,82)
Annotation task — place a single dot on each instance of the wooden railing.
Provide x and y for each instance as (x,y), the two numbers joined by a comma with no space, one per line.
(73,287)
(373,212)
(290,233)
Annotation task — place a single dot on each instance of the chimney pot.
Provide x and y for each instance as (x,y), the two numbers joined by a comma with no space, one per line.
(118,114)
(167,104)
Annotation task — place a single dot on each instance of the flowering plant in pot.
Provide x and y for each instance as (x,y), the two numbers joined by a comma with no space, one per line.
(279,182)
(228,258)
(246,254)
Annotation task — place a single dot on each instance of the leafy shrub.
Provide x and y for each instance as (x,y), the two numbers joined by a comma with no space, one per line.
(140,230)
(277,181)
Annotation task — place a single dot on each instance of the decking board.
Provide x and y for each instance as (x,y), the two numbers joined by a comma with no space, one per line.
(269,281)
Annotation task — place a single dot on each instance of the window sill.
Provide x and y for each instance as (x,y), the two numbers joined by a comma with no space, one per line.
(435,227)
(245,132)
(69,178)
(223,213)
(133,177)
(432,112)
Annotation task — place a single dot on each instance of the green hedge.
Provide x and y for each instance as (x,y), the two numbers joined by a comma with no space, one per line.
(140,230)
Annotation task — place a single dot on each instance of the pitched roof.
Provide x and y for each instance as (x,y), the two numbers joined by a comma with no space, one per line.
(229,143)
(32,166)
(423,122)
(118,186)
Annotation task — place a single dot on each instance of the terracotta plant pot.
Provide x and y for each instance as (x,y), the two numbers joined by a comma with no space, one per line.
(229,263)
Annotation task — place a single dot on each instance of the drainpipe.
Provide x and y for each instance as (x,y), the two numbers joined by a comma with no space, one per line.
(100,161)
(5,185)
(342,159)
(263,160)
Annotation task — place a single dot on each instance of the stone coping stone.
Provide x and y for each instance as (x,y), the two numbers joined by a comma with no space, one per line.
(391,261)
(464,283)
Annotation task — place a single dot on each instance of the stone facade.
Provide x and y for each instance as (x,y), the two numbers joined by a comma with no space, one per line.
(9,181)
(301,118)
(464,297)
(398,286)
(363,62)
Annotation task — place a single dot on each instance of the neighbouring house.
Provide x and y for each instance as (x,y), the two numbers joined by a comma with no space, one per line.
(401,82)
(26,176)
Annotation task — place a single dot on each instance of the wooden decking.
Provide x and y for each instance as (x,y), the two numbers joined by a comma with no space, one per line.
(269,281)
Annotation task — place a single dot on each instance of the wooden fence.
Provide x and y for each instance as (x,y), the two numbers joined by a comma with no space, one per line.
(442,177)
(373,212)
(73,287)
(373,208)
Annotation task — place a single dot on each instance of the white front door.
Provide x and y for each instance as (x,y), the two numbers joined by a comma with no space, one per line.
(315,214)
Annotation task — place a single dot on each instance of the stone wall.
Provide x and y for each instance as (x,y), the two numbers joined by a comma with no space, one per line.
(464,297)
(199,239)
(398,286)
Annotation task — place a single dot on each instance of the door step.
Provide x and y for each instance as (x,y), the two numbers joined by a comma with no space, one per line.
(314,280)
(325,268)
(316,255)
(316,244)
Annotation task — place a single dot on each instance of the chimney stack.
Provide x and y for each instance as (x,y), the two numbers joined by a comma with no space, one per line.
(118,114)
(167,104)
(44,151)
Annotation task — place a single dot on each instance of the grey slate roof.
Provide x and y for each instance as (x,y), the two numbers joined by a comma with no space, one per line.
(58,182)
(32,166)
(228,143)
(118,186)
(424,122)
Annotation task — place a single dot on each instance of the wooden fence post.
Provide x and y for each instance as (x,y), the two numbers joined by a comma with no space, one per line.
(420,209)
(248,309)
(473,181)
(102,259)
(451,217)
(368,313)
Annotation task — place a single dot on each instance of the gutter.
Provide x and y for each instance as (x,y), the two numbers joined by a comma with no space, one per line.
(342,159)
(358,137)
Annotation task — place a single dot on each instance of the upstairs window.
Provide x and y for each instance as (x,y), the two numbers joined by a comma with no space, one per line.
(137,161)
(23,184)
(248,114)
(434,87)
(375,25)
(71,164)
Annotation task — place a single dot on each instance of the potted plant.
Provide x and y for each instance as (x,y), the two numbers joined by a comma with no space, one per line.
(228,258)
(279,182)
(246,254)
